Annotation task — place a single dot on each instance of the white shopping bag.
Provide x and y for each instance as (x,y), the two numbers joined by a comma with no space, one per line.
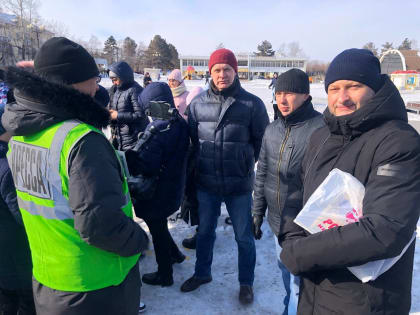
(336,202)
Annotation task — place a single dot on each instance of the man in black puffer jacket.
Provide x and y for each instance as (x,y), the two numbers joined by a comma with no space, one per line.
(128,119)
(226,127)
(367,135)
(278,185)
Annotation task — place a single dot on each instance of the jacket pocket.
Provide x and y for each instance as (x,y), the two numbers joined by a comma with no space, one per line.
(245,161)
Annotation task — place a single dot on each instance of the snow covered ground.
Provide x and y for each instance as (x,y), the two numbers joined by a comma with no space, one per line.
(221,295)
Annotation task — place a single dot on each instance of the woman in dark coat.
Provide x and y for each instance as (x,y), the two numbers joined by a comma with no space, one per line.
(128,120)
(163,154)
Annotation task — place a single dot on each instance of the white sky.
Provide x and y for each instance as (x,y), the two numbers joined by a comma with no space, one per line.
(323,28)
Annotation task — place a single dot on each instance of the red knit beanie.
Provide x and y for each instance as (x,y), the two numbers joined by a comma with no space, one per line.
(223,55)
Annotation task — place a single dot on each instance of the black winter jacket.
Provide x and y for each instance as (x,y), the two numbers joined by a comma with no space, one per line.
(278,182)
(124,99)
(95,175)
(163,155)
(226,130)
(378,147)
(15,258)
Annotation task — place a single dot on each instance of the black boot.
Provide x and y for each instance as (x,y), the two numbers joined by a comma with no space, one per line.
(155,278)
(177,258)
(191,242)
(193,283)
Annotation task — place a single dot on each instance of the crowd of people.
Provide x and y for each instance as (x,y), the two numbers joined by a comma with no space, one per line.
(67,193)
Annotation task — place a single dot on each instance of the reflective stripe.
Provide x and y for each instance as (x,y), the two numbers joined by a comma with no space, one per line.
(54,177)
(57,212)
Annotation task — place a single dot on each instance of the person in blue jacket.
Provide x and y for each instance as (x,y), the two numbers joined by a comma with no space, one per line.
(15,260)
(162,154)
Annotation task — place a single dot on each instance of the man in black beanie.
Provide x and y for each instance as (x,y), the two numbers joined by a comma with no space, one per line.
(71,188)
(367,135)
(278,182)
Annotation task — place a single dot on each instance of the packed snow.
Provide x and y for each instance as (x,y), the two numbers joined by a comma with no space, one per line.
(221,295)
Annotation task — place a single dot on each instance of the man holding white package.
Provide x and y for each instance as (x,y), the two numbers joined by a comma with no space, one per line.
(367,136)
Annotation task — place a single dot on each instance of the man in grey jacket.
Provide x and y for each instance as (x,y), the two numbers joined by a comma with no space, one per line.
(278,184)
(84,243)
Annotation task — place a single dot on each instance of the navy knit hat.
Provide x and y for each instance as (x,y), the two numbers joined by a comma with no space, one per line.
(293,80)
(358,65)
(59,59)
(156,91)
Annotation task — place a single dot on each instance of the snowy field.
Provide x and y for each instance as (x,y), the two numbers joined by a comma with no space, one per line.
(221,295)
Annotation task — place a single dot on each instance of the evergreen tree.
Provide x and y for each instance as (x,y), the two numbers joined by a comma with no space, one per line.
(405,45)
(265,49)
(158,54)
(129,51)
(174,56)
(387,46)
(110,49)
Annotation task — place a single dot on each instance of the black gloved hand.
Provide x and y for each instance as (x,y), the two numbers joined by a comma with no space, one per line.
(257,222)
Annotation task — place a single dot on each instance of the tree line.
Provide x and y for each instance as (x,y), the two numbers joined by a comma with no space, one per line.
(406,44)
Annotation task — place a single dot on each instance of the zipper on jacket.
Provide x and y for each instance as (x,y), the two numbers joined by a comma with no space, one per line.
(279,164)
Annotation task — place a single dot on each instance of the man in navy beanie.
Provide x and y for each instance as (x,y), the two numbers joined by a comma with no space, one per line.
(367,135)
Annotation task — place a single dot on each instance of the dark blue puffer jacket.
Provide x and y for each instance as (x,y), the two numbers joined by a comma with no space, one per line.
(15,260)
(124,99)
(226,131)
(164,154)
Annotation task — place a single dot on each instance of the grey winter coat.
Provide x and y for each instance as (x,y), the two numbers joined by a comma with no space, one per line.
(278,184)
(226,130)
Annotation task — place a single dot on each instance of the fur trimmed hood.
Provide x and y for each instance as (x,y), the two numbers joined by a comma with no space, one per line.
(41,103)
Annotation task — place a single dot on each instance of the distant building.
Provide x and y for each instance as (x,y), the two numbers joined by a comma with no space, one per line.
(249,65)
(102,64)
(19,41)
(400,60)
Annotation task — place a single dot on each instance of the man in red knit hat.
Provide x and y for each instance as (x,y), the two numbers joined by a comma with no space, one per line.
(226,125)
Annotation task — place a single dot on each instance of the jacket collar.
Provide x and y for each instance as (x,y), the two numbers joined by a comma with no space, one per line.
(41,103)
(300,115)
(385,105)
(230,91)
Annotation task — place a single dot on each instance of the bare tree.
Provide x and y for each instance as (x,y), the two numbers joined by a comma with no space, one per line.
(140,57)
(295,51)
(94,46)
(27,21)
(57,28)
(220,46)
(281,51)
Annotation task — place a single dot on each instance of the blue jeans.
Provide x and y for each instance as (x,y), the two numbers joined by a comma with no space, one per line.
(291,285)
(239,209)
